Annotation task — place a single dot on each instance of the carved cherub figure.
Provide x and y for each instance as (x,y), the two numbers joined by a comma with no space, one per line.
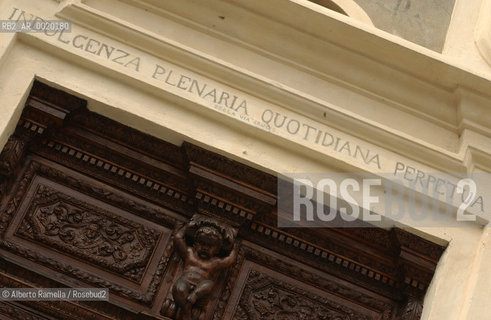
(203,259)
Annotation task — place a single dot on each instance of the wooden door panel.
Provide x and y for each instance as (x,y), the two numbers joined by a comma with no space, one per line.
(267,294)
(58,219)
(88,202)
(277,287)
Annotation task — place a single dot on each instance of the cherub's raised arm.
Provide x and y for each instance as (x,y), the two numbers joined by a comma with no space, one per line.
(228,261)
(180,241)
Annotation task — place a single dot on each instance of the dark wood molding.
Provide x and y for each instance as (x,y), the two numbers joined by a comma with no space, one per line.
(64,158)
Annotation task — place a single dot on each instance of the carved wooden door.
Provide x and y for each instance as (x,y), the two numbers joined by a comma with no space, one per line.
(88,202)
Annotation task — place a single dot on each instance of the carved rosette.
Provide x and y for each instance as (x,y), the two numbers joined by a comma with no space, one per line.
(412,308)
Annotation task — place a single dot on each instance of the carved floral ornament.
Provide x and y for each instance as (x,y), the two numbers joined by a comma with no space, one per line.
(86,231)
(270,299)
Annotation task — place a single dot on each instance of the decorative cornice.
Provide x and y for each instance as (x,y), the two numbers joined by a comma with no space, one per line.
(431,97)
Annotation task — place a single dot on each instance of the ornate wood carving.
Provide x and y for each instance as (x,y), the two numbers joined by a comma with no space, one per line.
(206,247)
(411,307)
(89,202)
(11,155)
(10,161)
(322,281)
(233,275)
(85,231)
(16,312)
(270,299)
(63,211)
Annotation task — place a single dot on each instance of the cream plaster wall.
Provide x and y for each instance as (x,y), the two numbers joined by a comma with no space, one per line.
(460,43)
(390,96)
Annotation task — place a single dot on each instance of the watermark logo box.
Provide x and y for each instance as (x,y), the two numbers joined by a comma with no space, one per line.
(387,199)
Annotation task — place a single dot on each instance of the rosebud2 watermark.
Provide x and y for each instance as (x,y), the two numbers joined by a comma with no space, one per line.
(54,294)
(334,192)
(339,199)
